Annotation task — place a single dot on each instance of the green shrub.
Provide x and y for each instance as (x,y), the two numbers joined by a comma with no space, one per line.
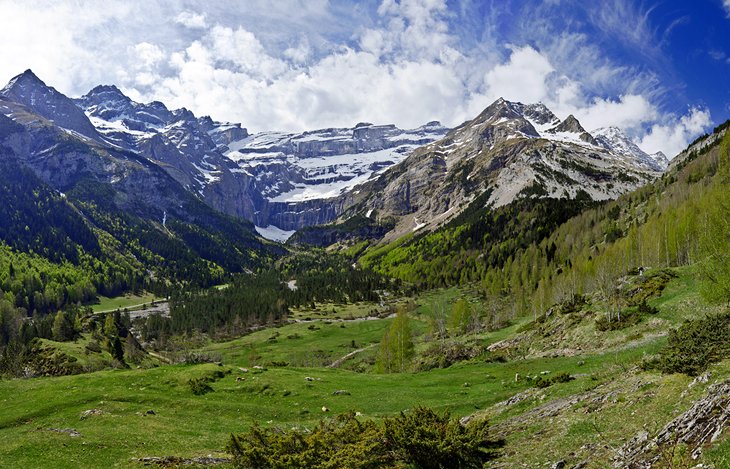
(443,355)
(420,438)
(651,286)
(695,345)
(199,386)
(544,381)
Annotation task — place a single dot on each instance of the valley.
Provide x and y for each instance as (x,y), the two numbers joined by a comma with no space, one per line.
(527,293)
(278,378)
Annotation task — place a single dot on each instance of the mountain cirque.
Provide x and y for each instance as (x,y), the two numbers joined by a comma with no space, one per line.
(283,182)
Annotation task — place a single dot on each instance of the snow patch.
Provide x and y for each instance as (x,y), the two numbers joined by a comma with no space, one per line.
(274,233)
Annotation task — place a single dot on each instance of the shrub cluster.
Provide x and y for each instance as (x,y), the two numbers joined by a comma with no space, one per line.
(695,345)
(544,381)
(419,438)
(443,355)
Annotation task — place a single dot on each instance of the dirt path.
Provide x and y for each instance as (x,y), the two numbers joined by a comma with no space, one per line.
(162,308)
(341,360)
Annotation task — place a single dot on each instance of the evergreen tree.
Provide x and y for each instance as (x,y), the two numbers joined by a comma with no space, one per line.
(116,349)
(133,351)
(63,328)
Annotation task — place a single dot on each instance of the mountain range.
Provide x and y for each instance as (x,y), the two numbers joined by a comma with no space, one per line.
(281,182)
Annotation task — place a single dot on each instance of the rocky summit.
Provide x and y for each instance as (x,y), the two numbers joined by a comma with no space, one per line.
(283,182)
(510,150)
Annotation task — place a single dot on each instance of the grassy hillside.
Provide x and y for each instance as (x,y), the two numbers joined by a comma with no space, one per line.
(609,399)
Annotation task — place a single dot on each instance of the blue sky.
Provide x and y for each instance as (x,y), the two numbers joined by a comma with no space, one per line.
(659,70)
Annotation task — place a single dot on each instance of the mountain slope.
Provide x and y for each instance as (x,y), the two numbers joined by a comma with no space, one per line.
(114,191)
(277,180)
(511,150)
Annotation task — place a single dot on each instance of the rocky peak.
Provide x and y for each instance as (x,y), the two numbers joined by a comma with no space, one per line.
(29,90)
(24,81)
(570,124)
(109,103)
(661,159)
(539,114)
(222,133)
(106,102)
(617,142)
(500,109)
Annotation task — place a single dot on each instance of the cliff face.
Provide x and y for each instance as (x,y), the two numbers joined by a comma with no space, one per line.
(510,150)
(421,176)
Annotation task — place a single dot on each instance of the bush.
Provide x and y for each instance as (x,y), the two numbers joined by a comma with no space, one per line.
(651,286)
(644,308)
(199,386)
(444,355)
(93,346)
(695,345)
(420,438)
(544,382)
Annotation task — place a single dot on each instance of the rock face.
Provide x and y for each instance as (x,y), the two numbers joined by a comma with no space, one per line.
(510,150)
(422,177)
(301,177)
(614,140)
(45,132)
(703,423)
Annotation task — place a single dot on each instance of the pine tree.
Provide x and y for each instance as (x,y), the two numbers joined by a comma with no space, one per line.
(116,349)
(62,327)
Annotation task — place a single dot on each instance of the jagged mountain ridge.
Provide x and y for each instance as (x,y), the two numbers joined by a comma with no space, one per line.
(510,150)
(285,181)
(273,179)
(131,197)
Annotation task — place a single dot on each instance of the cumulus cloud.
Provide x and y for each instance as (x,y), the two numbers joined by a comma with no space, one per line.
(191,20)
(523,77)
(148,54)
(673,136)
(406,62)
(726,4)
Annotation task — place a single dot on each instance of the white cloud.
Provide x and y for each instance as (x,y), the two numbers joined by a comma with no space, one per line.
(299,54)
(726,4)
(522,78)
(191,20)
(673,136)
(628,112)
(297,64)
(148,54)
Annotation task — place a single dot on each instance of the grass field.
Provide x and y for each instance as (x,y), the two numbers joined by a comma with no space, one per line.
(610,398)
(129,302)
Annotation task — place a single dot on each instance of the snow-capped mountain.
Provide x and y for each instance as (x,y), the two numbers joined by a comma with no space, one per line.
(616,141)
(325,163)
(510,150)
(277,180)
(120,190)
(285,181)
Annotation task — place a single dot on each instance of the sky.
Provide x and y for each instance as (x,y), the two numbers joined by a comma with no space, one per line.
(659,70)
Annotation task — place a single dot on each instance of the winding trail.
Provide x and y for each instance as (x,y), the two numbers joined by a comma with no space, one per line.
(341,360)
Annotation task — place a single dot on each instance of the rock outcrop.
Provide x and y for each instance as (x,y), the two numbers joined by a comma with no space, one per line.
(702,424)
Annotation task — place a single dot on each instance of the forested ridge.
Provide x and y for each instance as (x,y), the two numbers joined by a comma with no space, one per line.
(264,298)
(539,251)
